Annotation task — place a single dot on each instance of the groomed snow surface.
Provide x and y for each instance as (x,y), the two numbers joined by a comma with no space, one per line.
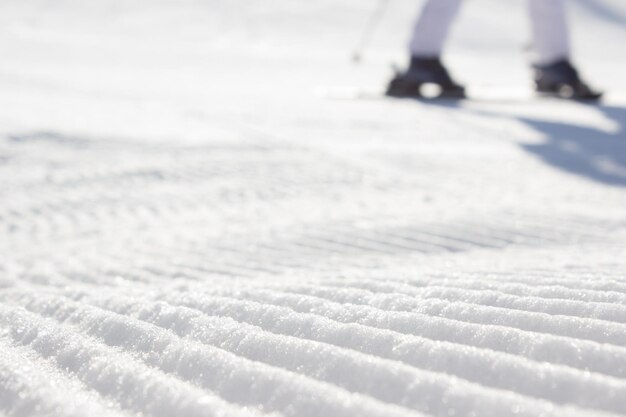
(196,218)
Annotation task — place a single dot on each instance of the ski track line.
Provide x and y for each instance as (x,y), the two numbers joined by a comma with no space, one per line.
(112,373)
(34,387)
(297,300)
(546,292)
(268,315)
(468,362)
(355,241)
(343,236)
(534,230)
(581,354)
(495,298)
(57,202)
(394,389)
(433,237)
(543,291)
(401,384)
(73,314)
(586,279)
(594,330)
(451,237)
(233,377)
(241,265)
(306,355)
(488,280)
(600,331)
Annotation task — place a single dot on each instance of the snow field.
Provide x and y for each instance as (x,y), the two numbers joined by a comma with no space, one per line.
(187,228)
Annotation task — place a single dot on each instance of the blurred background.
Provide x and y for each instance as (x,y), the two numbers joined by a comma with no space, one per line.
(200,213)
(176,117)
(130,68)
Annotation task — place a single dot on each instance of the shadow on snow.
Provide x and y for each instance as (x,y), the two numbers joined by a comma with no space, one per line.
(592,153)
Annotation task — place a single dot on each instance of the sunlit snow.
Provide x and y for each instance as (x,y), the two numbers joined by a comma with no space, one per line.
(205,210)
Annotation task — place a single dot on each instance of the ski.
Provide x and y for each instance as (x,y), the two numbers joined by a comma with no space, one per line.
(491,95)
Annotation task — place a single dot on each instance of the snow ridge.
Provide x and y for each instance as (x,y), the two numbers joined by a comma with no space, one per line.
(188,229)
(347,340)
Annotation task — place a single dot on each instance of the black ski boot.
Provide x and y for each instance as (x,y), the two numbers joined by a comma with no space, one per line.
(424,71)
(561,80)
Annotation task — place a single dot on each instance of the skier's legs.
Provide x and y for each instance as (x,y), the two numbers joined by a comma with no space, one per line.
(432,27)
(425,66)
(550,31)
(554,73)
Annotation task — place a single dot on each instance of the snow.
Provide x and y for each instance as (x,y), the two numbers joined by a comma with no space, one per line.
(196,217)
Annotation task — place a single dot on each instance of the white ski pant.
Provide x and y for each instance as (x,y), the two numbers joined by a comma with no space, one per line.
(548,23)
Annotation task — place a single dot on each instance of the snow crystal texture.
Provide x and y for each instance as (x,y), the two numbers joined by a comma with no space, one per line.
(198,218)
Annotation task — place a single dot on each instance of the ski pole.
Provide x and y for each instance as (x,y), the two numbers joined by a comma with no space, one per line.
(368,31)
